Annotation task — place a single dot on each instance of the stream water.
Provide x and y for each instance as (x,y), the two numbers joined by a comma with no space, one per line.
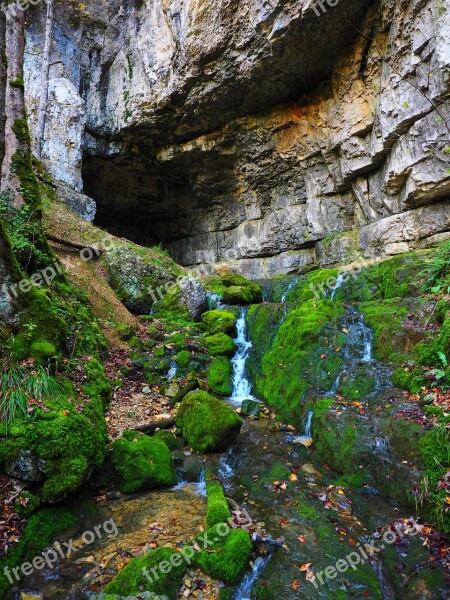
(252,472)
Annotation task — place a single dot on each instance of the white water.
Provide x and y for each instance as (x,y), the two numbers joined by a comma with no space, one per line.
(172,371)
(214,301)
(335,388)
(339,282)
(307,433)
(291,285)
(242,389)
(244,590)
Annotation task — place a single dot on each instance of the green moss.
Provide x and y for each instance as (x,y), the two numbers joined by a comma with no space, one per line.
(303,357)
(231,556)
(219,376)
(171,441)
(220,344)
(68,438)
(43,350)
(17,83)
(143,462)
(183,359)
(39,533)
(207,424)
(132,579)
(219,321)
(217,505)
(235,289)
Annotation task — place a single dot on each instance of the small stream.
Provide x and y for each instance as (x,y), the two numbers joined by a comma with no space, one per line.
(252,472)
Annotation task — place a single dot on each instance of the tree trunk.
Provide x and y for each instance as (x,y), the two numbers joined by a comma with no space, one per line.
(44,80)
(16,130)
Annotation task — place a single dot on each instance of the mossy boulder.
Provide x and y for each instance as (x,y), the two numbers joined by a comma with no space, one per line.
(142,462)
(220,376)
(138,575)
(219,321)
(140,276)
(235,289)
(185,300)
(220,344)
(230,556)
(207,423)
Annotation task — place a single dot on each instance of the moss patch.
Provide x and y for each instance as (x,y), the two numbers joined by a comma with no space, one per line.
(220,344)
(219,321)
(207,424)
(220,376)
(143,462)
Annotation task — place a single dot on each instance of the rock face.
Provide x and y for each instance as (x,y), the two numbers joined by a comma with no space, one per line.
(262,135)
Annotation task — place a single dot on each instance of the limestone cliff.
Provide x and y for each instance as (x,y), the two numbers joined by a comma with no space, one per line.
(265,134)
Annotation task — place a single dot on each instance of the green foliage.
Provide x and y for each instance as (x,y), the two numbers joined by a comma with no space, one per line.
(219,321)
(142,462)
(18,385)
(437,273)
(69,438)
(207,424)
(219,376)
(217,505)
(220,344)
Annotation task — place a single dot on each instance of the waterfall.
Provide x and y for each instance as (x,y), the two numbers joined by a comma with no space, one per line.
(359,341)
(284,299)
(172,371)
(335,388)
(307,435)
(339,282)
(201,484)
(244,590)
(242,389)
(214,301)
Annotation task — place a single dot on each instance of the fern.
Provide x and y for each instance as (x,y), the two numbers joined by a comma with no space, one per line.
(438,269)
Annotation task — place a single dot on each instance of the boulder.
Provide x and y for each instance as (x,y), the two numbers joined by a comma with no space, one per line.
(207,423)
(142,462)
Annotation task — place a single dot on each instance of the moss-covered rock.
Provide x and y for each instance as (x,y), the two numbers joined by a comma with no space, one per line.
(65,440)
(235,289)
(142,462)
(220,344)
(140,276)
(217,505)
(160,571)
(220,376)
(183,359)
(231,556)
(207,424)
(219,321)
(303,358)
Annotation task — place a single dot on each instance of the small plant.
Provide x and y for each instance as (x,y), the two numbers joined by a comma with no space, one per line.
(20,384)
(438,270)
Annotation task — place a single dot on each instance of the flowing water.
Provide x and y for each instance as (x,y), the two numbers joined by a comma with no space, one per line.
(281,484)
(242,389)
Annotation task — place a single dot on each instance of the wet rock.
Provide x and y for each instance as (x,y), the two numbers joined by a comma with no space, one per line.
(250,408)
(25,466)
(191,468)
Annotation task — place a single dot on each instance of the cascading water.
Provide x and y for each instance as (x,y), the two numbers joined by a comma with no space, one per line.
(244,590)
(172,371)
(291,285)
(359,338)
(307,436)
(242,389)
(338,285)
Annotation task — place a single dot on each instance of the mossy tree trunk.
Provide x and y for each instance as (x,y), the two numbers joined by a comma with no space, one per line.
(14,142)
